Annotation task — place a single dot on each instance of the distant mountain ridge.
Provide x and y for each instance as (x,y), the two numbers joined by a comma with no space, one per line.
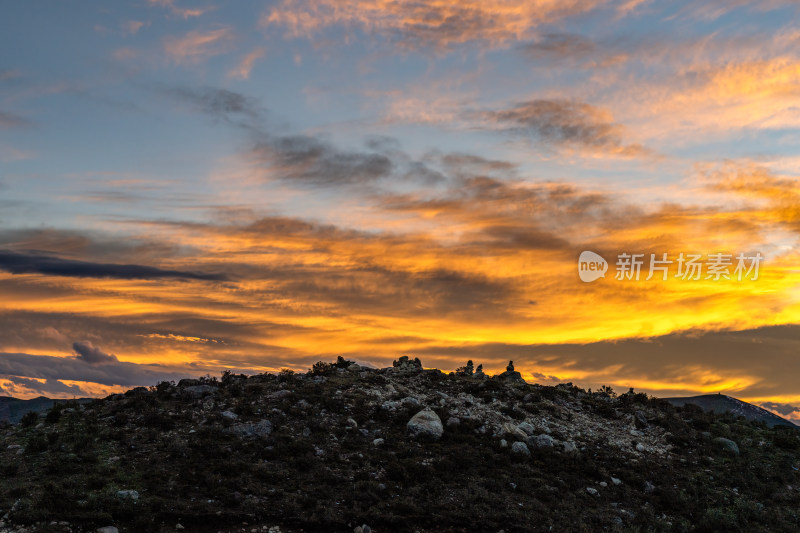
(13,409)
(720,404)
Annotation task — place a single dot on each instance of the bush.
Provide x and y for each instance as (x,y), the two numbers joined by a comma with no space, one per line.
(29,419)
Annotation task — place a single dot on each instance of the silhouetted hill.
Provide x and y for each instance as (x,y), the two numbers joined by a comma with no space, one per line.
(13,409)
(719,403)
(399,449)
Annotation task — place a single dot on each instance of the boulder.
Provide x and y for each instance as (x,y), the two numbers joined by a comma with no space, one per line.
(527,427)
(542,441)
(727,445)
(426,424)
(520,448)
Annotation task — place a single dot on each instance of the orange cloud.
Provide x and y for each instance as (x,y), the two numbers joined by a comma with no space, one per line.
(242,70)
(438,23)
(180,11)
(196,46)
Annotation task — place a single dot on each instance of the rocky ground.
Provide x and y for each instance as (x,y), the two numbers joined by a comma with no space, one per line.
(346,448)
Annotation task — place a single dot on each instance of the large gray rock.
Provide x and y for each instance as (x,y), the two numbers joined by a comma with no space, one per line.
(520,448)
(542,441)
(425,424)
(728,445)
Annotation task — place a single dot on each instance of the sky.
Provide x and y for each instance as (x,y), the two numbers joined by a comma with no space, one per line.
(190,186)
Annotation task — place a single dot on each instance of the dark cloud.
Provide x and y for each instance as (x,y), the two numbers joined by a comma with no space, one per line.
(24,263)
(9,120)
(567,124)
(222,104)
(74,369)
(91,354)
(784,409)
(50,387)
(308,160)
(719,358)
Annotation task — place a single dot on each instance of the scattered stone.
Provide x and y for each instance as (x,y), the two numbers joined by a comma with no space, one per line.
(527,427)
(520,448)
(592,491)
(570,447)
(404,366)
(378,442)
(453,421)
(542,441)
(230,415)
(649,487)
(503,443)
(616,481)
(198,391)
(640,447)
(262,428)
(426,423)
(640,420)
(107,529)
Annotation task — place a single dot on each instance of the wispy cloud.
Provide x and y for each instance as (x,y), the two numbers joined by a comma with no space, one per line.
(245,66)
(426,23)
(184,12)
(9,120)
(197,46)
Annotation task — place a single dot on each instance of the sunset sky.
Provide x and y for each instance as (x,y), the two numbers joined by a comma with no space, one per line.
(188,186)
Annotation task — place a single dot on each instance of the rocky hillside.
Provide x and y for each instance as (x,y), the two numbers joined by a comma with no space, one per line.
(346,448)
(720,403)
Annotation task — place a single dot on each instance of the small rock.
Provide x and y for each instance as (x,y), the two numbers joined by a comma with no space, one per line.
(503,443)
(592,491)
(230,415)
(520,448)
(640,420)
(378,442)
(107,529)
(649,487)
(128,495)
(640,447)
(616,481)
(453,421)
(179,526)
(570,447)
